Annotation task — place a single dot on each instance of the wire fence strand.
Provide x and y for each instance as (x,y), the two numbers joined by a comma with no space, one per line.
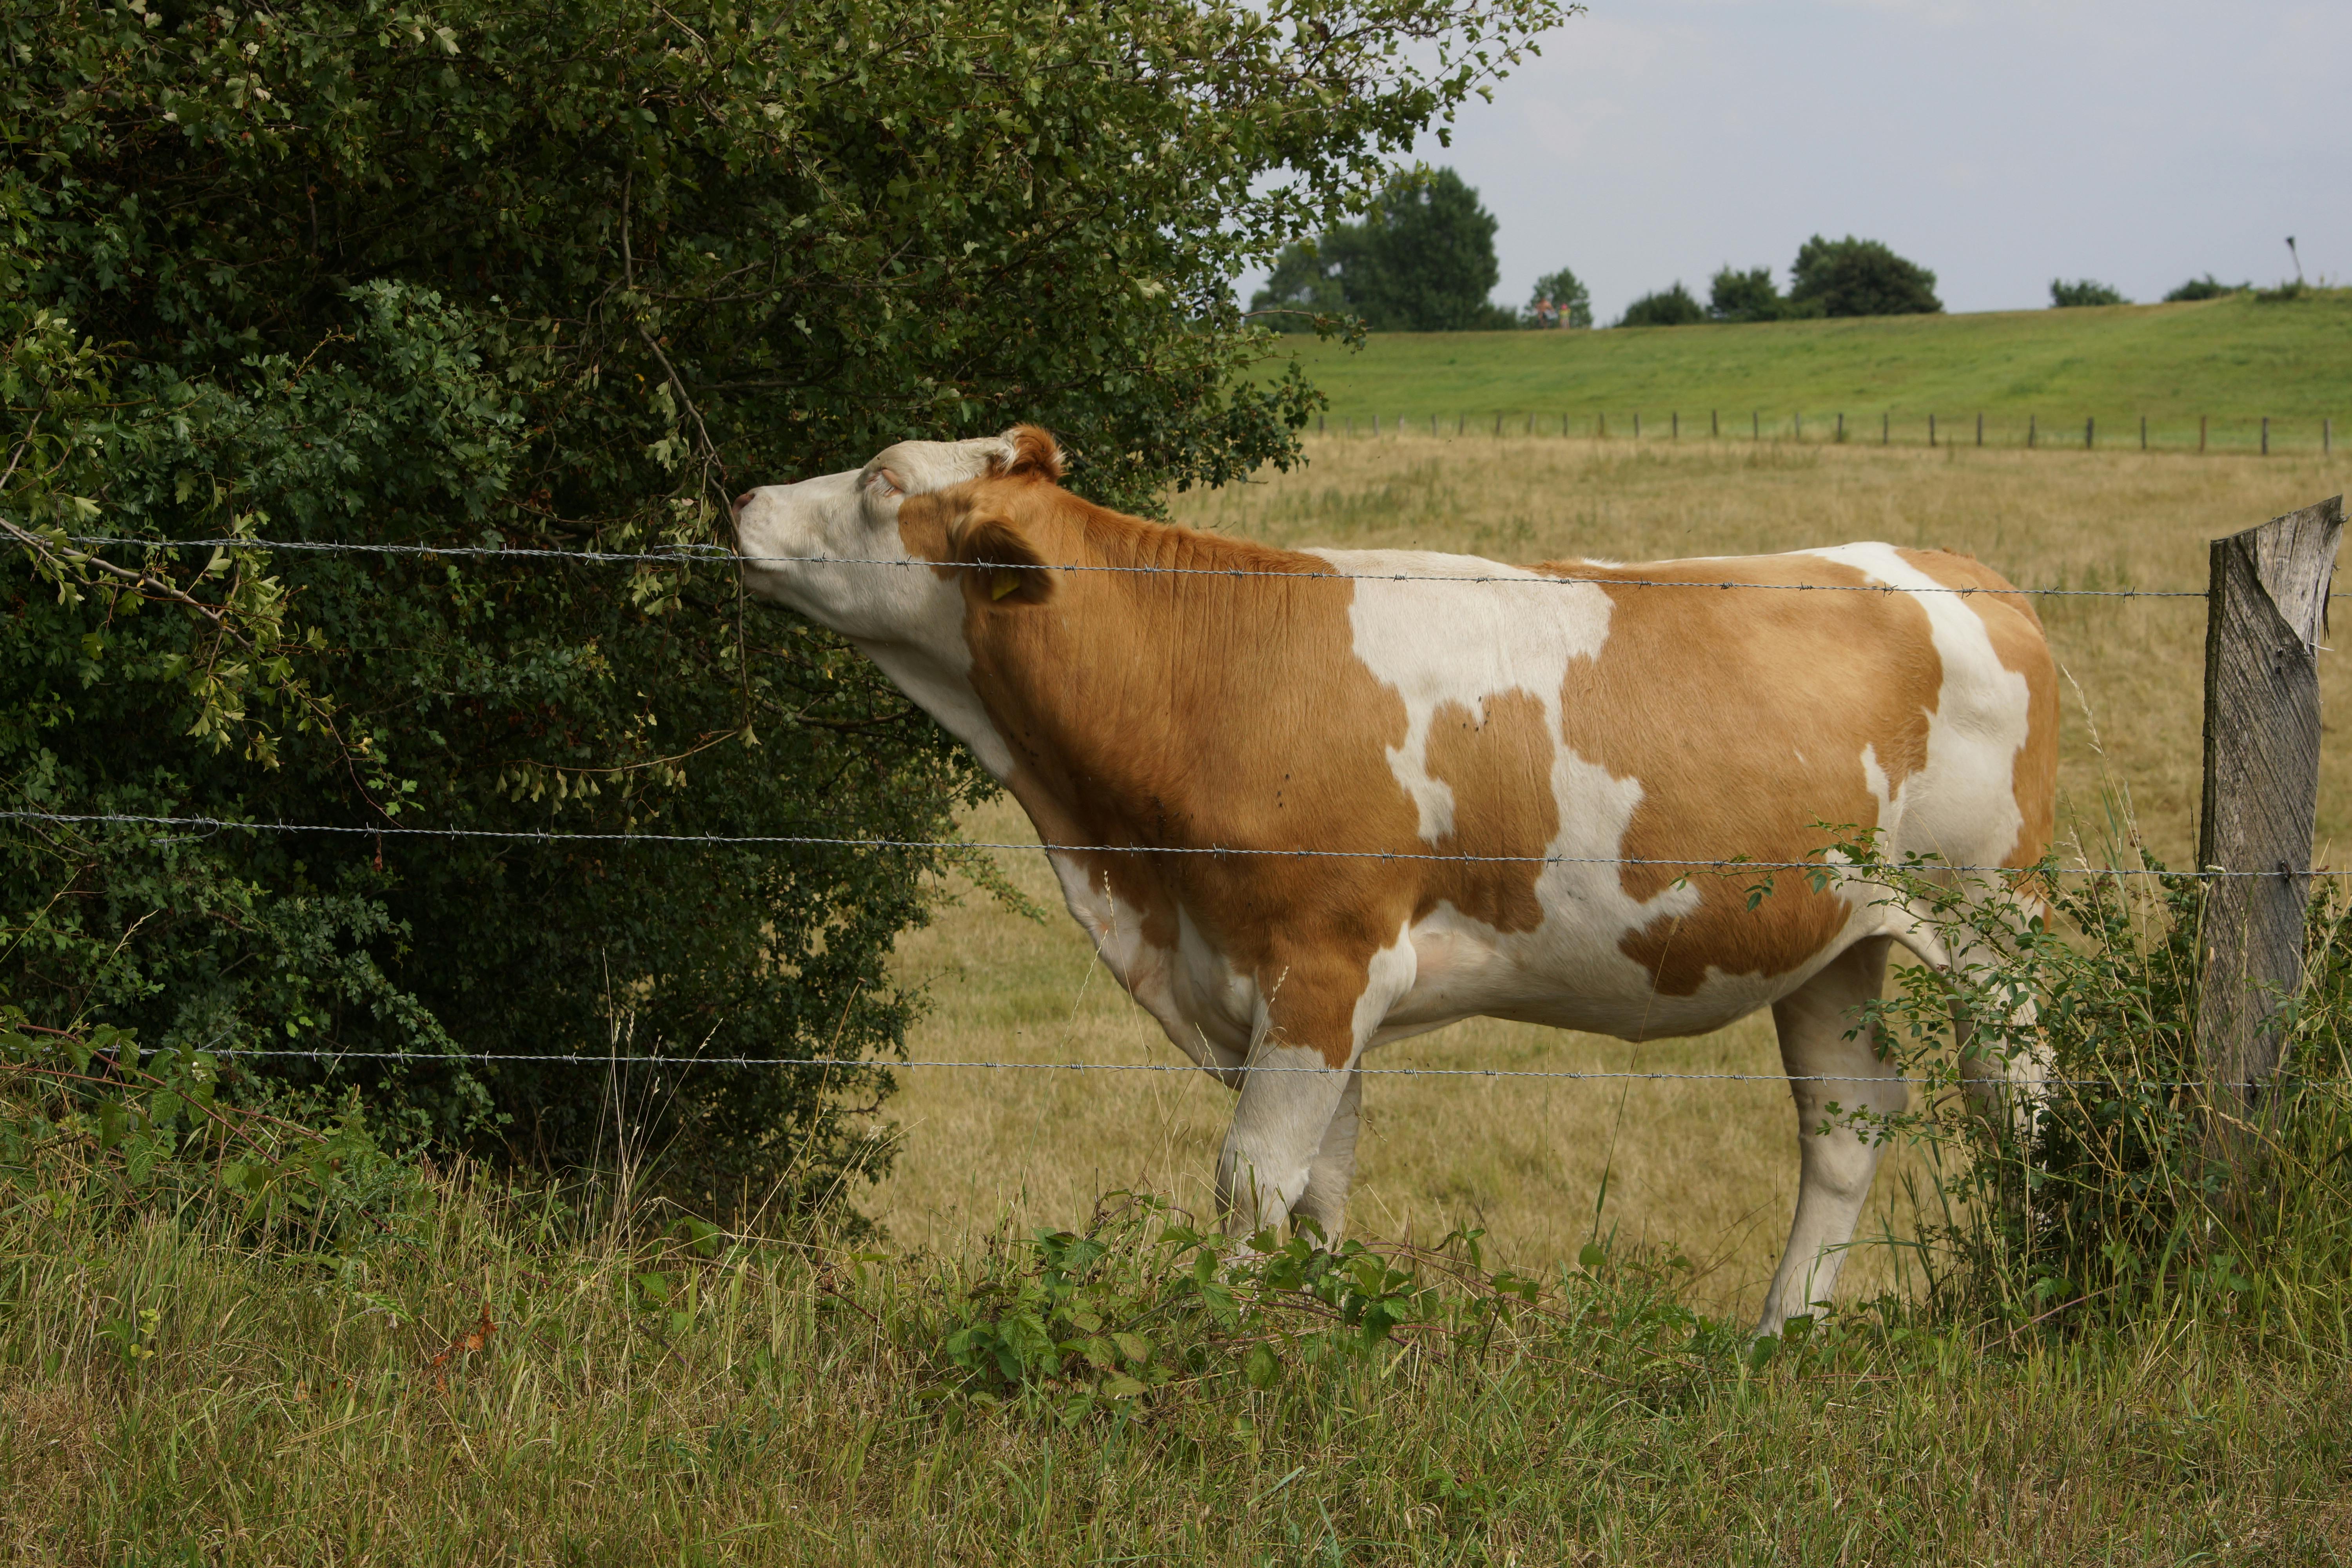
(421,1058)
(712,554)
(788,840)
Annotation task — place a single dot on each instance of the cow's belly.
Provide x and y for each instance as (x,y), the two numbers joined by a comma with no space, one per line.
(1572,974)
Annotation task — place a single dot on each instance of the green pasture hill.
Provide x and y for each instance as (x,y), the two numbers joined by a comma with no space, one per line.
(2210,369)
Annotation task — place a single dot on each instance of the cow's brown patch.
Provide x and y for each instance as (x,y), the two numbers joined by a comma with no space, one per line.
(1499,764)
(1745,715)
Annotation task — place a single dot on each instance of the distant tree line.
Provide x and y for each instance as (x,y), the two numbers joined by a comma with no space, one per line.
(1423,261)
(1847,277)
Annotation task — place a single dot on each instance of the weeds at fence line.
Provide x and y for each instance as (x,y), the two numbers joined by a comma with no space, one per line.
(2072,1169)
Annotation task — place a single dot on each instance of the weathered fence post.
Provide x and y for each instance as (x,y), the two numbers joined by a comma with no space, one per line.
(2265,606)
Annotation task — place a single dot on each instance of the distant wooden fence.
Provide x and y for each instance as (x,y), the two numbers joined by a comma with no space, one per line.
(2256,434)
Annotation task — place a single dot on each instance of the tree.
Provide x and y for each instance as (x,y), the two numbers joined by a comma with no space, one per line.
(1853,277)
(1569,302)
(1423,261)
(1665,308)
(335,272)
(1750,295)
(2206,288)
(2066,296)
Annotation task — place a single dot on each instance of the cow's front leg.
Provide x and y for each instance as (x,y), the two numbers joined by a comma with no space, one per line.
(1334,1170)
(1292,1146)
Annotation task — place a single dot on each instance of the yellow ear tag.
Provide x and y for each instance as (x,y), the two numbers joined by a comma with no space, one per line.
(1003,582)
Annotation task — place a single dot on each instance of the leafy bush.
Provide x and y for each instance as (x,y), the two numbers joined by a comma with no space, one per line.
(1423,261)
(2083,291)
(1750,295)
(1853,277)
(1665,308)
(343,274)
(2206,288)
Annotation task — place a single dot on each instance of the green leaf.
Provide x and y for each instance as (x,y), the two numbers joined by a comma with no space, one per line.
(1261,1367)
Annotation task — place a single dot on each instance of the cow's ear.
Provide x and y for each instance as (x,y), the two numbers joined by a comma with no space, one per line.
(1001,563)
(1031,449)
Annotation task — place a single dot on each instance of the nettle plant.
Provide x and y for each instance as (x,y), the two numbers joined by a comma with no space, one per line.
(1078,1319)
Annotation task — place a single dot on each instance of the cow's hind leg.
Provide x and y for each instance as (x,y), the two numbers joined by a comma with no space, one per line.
(1831,1062)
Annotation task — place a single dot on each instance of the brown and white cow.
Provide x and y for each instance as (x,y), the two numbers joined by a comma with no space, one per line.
(1559,720)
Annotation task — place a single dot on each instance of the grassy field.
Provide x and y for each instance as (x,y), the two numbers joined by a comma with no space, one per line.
(1708,1166)
(2230,361)
(501,1389)
(487,1377)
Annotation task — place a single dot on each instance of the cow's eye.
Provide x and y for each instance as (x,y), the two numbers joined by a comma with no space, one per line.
(884,483)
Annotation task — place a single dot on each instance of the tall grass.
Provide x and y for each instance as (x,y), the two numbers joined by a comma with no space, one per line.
(512,1384)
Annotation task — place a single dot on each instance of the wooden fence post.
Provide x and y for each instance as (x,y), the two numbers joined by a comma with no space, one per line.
(2266,435)
(2265,607)
(2089,426)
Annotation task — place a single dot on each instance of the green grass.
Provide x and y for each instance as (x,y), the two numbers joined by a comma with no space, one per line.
(2231,360)
(505,1389)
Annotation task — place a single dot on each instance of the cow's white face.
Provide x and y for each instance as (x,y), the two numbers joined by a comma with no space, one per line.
(830,548)
(805,545)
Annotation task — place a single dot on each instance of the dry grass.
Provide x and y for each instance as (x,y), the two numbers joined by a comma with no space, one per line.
(1710,1167)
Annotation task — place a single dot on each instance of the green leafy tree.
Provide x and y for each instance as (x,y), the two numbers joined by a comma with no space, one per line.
(2083,291)
(1750,295)
(1423,261)
(2206,288)
(1570,301)
(1672,307)
(1853,277)
(567,277)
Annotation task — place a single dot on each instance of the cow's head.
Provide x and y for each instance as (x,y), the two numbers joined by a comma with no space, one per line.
(809,546)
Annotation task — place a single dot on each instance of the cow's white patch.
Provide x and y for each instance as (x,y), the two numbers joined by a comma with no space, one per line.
(1962,806)
(1463,645)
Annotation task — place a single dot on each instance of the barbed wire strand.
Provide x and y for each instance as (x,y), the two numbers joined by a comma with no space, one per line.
(421,1058)
(552,836)
(715,554)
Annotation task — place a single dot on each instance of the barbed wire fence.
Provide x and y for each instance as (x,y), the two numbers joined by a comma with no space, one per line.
(2278,875)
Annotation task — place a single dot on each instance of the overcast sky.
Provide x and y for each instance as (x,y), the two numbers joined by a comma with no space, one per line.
(1996,142)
